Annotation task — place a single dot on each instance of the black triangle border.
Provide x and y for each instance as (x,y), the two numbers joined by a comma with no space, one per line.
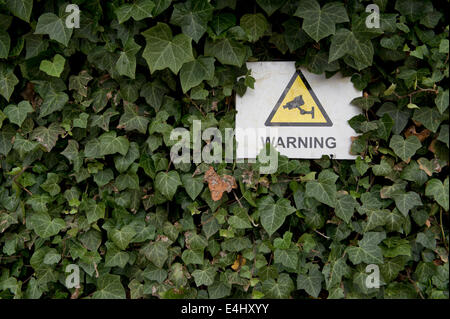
(280,100)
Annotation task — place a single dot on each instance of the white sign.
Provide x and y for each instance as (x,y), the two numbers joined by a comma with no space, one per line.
(303,115)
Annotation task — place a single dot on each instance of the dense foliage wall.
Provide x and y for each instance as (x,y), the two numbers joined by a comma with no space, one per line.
(86,177)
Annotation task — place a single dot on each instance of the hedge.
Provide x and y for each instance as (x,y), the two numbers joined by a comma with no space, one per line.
(86,176)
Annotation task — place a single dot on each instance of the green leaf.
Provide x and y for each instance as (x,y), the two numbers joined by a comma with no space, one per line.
(192,16)
(406,202)
(194,72)
(18,114)
(286,257)
(167,183)
(439,191)
(157,253)
(53,101)
(130,120)
(400,117)
(443,135)
(429,117)
(126,63)
(5,43)
(270,6)
(165,51)
(278,289)
(121,238)
(368,250)
(20,8)
(51,184)
(109,287)
(254,25)
(55,27)
(192,185)
(273,214)
(345,207)
(204,276)
(7,81)
(110,143)
(405,148)
(227,51)
(318,22)
(45,226)
(47,137)
(344,42)
(138,10)
(324,189)
(54,68)
(311,283)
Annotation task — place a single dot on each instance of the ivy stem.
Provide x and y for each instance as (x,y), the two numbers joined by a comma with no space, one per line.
(442,230)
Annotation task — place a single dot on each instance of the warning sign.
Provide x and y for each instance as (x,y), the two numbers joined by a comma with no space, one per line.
(298,106)
(303,115)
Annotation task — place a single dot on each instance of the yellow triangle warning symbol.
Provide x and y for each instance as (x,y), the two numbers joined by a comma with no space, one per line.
(298,106)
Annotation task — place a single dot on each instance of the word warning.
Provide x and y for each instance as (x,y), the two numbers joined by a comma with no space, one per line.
(303,115)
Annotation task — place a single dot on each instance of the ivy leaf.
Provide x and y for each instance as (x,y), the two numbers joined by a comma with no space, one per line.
(7,81)
(53,101)
(345,207)
(154,93)
(270,6)
(20,8)
(79,83)
(110,143)
(279,289)
(318,22)
(54,68)
(51,184)
(5,42)
(165,51)
(311,283)
(443,135)
(404,148)
(400,117)
(227,51)
(121,238)
(192,185)
(324,189)
(157,253)
(368,250)
(429,117)
(55,27)
(109,287)
(126,63)
(47,137)
(441,100)
(18,114)
(345,42)
(130,120)
(194,72)
(406,202)
(254,25)
(439,191)
(192,17)
(167,183)
(139,10)
(204,276)
(45,226)
(287,257)
(273,214)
